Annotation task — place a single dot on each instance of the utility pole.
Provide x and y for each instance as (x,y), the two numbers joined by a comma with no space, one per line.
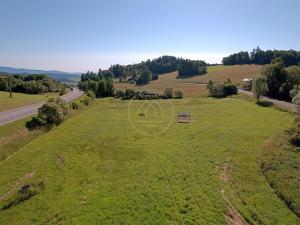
(9,87)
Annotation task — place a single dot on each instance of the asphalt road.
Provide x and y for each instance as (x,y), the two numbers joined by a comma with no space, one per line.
(283,104)
(29,110)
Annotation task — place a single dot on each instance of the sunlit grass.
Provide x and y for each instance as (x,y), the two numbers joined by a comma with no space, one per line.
(98,169)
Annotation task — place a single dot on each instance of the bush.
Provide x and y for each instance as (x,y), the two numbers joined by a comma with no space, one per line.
(129,94)
(259,87)
(141,95)
(220,90)
(217,90)
(86,100)
(91,94)
(62,92)
(230,89)
(33,123)
(178,94)
(53,112)
(295,139)
(74,106)
(168,93)
(145,77)
(119,94)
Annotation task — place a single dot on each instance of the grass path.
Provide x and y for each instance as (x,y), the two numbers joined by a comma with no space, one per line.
(98,169)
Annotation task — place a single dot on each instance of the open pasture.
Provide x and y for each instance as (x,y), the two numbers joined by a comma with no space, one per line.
(130,162)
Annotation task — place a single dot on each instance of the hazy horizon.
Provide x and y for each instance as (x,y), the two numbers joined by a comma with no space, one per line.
(105,61)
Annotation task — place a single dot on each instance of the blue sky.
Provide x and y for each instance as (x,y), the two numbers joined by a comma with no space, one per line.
(80,35)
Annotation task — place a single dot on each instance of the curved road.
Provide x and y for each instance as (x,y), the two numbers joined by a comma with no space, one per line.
(281,104)
(29,110)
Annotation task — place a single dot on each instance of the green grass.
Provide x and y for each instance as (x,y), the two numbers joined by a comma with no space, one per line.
(14,136)
(281,165)
(218,68)
(20,99)
(98,169)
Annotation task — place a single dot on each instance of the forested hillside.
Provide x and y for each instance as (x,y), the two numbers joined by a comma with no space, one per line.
(261,57)
(143,72)
(30,84)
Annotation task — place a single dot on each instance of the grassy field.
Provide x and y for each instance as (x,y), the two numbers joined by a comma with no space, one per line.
(218,73)
(109,165)
(281,165)
(20,99)
(14,136)
(190,90)
(218,68)
(195,86)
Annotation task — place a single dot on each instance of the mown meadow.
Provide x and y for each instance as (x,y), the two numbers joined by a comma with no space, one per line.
(130,162)
(20,99)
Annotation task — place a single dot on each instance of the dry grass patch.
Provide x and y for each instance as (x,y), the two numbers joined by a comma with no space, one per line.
(235,73)
(189,90)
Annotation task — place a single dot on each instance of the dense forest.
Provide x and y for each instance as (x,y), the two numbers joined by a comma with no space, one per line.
(101,83)
(258,56)
(143,72)
(30,84)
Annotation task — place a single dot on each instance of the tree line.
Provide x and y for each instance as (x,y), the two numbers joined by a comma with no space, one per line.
(30,84)
(278,81)
(261,57)
(144,72)
(101,83)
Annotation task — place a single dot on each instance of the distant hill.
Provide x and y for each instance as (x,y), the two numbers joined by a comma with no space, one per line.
(57,75)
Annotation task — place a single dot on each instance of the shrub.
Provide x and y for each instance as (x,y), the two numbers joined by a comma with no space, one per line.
(129,94)
(168,93)
(295,139)
(74,106)
(178,94)
(119,94)
(260,87)
(230,89)
(91,94)
(141,95)
(53,112)
(145,77)
(34,123)
(220,90)
(86,100)
(296,101)
(217,90)
(62,92)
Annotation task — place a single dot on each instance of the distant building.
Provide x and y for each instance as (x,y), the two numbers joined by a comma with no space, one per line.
(247,84)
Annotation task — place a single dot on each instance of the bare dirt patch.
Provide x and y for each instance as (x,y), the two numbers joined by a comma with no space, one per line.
(232,216)
(225,173)
(61,161)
